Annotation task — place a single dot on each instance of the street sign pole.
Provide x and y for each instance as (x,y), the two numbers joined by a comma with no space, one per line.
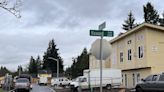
(100,32)
(101,90)
(101,27)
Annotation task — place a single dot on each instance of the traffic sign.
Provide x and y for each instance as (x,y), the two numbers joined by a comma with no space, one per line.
(102,26)
(101,32)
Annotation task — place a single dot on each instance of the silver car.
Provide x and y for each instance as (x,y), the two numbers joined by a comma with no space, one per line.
(22,85)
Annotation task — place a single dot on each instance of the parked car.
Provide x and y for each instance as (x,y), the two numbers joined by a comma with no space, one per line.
(22,84)
(154,83)
(62,81)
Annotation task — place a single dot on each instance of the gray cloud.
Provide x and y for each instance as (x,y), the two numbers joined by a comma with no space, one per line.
(73,12)
(67,21)
(45,11)
(18,48)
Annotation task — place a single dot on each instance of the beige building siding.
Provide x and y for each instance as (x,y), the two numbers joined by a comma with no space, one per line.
(137,39)
(107,63)
(137,64)
(155,50)
(94,63)
(146,37)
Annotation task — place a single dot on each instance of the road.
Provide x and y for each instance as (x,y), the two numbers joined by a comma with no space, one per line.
(95,90)
(37,88)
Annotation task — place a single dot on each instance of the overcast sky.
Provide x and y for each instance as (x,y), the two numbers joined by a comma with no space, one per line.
(67,21)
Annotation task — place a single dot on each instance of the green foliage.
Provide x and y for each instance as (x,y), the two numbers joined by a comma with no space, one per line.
(150,14)
(79,64)
(49,64)
(39,63)
(161,20)
(129,23)
(33,66)
(4,70)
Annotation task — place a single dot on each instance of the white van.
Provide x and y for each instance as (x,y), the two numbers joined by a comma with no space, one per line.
(43,80)
(110,78)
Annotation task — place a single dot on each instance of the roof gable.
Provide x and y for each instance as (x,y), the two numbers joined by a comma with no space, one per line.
(138,28)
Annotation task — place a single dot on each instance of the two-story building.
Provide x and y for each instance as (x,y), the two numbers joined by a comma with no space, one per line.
(138,53)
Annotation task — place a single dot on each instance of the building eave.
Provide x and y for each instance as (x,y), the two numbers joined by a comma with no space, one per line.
(138,28)
(136,68)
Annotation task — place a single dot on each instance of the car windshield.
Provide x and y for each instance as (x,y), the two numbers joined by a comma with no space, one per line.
(79,79)
(22,80)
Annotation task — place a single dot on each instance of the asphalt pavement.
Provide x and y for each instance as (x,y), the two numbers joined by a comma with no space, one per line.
(94,90)
(37,88)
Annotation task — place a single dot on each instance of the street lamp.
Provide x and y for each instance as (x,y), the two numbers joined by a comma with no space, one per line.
(57,65)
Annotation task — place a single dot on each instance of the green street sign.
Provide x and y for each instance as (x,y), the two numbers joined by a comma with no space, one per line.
(100,32)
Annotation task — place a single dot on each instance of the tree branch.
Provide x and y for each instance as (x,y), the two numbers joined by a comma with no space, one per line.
(15,9)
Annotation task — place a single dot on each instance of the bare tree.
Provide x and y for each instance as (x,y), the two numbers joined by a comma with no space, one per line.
(12,8)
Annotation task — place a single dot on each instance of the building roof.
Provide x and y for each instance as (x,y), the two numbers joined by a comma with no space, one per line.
(138,28)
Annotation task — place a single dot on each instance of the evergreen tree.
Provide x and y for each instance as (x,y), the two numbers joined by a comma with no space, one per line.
(161,20)
(39,63)
(4,70)
(129,23)
(74,68)
(79,64)
(49,64)
(150,14)
(33,66)
(68,72)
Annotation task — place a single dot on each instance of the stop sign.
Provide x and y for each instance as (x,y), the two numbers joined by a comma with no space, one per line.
(106,49)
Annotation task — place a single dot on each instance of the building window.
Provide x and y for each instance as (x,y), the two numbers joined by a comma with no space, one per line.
(121,56)
(122,78)
(129,42)
(129,54)
(133,79)
(138,77)
(126,80)
(140,52)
